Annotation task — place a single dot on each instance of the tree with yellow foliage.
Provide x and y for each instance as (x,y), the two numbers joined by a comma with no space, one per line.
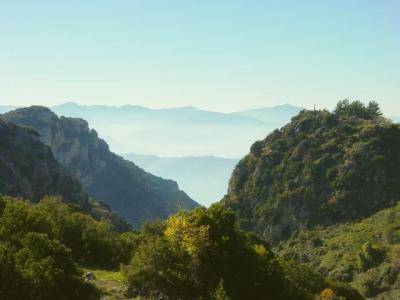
(327,294)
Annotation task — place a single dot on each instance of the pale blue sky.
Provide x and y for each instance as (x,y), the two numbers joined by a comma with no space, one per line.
(219,55)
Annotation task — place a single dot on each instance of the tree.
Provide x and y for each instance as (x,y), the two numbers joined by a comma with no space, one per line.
(374,110)
(358,109)
(199,250)
(41,269)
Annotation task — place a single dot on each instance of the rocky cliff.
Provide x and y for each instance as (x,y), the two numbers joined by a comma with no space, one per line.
(130,191)
(29,170)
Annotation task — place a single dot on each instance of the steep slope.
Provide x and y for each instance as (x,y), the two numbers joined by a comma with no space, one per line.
(204,178)
(29,170)
(320,169)
(130,191)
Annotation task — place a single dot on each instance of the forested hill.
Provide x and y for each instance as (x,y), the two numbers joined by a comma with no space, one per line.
(320,169)
(29,170)
(133,193)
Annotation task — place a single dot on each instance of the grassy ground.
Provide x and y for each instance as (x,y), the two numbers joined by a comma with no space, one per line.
(110,283)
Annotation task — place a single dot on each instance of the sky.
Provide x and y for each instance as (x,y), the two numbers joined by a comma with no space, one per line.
(223,55)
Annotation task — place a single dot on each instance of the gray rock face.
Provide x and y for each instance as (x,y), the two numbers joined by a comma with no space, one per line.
(29,170)
(131,192)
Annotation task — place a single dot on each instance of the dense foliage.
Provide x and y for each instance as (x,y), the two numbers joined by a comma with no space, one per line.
(193,255)
(364,253)
(202,255)
(322,168)
(40,245)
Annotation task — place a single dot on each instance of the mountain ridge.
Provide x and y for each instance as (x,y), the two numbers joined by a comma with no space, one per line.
(130,191)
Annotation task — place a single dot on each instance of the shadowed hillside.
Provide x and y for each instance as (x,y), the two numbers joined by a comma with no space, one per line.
(29,170)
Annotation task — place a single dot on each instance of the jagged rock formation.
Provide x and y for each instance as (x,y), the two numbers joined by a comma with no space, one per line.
(130,191)
(29,170)
(320,169)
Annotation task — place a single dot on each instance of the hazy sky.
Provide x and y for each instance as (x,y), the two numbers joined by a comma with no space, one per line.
(213,54)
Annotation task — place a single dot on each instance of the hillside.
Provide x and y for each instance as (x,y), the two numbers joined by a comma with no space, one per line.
(29,170)
(131,192)
(320,169)
(364,253)
(204,178)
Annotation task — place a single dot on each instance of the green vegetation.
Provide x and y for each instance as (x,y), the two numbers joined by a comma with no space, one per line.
(110,283)
(320,190)
(345,108)
(202,255)
(364,253)
(321,169)
(193,255)
(41,243)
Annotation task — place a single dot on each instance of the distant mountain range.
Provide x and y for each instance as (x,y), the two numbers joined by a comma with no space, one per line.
(177,132)
(277,115)
(182,131)
(204,178)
